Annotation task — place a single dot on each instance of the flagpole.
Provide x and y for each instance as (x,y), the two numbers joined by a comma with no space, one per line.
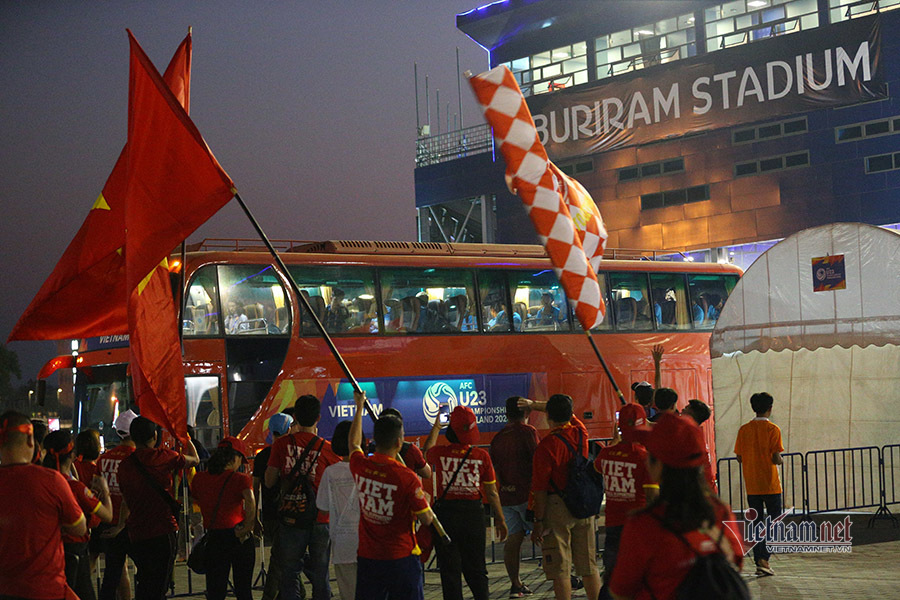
(605,368)
(303,301)
(337,355)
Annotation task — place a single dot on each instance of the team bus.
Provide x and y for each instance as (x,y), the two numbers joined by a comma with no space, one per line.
(419,325)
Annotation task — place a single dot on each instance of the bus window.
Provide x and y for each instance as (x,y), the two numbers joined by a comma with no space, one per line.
(539,301)
(204,412)
(606,324)
(708,295)
(631,301)
(343,299)
(428,300)
(201,304)
(494,288)
(670,302)
(101,393)
(253,300)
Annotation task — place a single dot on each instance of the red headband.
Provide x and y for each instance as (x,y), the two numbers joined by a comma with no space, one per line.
(26,428)
(62,451)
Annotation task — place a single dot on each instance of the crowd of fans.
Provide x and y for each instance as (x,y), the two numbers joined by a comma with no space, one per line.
(354,506)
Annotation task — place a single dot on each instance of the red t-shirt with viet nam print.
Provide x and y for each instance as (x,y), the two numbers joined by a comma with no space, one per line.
(390,497)
(476,470)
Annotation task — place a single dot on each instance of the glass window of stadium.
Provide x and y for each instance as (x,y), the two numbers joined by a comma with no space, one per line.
(428,300)
(745,21)
(551,70)
(468,220)
(842,10)
(657,43)
(253,299)
(631,301)
(343,299)
(539,301)
(201,304)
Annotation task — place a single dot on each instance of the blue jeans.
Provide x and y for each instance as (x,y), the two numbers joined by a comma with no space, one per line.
(293,543)
(772,505)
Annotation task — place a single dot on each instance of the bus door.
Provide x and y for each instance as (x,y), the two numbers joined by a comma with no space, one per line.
(204,408)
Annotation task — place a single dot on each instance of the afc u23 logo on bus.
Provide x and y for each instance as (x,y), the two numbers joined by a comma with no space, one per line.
(442,393)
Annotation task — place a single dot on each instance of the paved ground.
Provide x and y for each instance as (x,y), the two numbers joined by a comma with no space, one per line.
(869,571)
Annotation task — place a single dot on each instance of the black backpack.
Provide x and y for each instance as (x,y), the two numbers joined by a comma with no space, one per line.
(583,495)
(712,577)
(297,499)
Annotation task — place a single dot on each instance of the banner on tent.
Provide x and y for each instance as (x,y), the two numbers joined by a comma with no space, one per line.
(829,273)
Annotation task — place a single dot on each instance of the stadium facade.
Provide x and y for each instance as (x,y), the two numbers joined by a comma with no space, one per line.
(706,130)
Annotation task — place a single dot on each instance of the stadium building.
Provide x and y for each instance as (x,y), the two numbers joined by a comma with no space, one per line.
(706,130)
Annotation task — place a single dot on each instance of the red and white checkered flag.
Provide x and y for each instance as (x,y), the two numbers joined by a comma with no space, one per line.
(563,213)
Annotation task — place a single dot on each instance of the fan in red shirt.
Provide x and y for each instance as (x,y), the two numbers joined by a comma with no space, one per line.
(390,499)
(626,482)
(461,470)
(115,538)
(36,506)
(228,506)
(653,559)
(87,451)
(569,541)
(292,542)
(145,479)
(60,456)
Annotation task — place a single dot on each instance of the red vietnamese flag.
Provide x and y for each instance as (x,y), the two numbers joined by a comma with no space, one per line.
(174,185)
(85,294)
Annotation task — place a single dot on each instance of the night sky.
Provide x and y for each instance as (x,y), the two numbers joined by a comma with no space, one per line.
(308,105)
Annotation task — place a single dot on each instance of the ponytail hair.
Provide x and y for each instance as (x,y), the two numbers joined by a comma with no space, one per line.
(59,447)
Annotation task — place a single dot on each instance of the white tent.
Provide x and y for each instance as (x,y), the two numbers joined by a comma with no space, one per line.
(830,358)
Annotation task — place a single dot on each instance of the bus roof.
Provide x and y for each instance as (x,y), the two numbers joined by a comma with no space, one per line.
(400,253)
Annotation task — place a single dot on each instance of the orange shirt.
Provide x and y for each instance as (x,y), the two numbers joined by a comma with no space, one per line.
(756,442)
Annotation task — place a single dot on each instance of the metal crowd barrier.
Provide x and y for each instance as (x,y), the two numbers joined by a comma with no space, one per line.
(829,480)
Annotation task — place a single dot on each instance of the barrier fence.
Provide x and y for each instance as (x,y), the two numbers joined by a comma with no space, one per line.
(830,480)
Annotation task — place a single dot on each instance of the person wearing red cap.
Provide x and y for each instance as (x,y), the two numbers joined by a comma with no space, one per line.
(661,542)
(626,481)
(36,507)
(461,470)
(228,507)
(568,541)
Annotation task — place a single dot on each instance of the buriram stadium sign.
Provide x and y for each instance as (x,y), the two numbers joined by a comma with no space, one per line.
(829,66)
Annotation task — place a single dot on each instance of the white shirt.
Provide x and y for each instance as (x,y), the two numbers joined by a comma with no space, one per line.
(338,495)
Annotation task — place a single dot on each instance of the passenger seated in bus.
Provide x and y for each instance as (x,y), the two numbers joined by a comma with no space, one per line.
(366,316)
(235,319)
(336,314)
(500,321)
(435,320)
(714,310)
(698,311)
(548,315)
